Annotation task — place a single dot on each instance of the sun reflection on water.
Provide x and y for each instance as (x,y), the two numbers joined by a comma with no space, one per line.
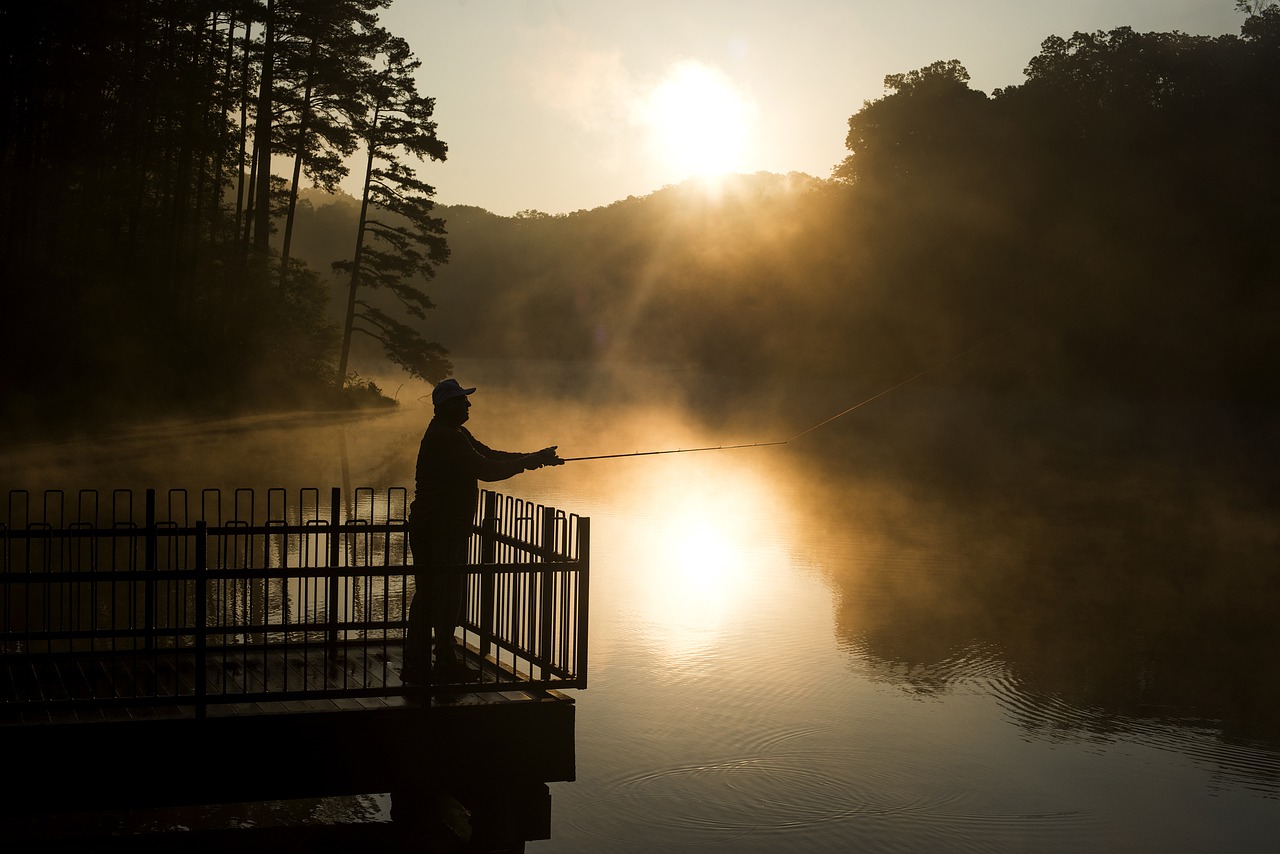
(698,560)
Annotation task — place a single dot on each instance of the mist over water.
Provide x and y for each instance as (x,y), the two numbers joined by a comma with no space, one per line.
(948,621)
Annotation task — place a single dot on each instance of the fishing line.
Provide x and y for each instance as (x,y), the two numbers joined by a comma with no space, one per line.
(886,391)
(805,432)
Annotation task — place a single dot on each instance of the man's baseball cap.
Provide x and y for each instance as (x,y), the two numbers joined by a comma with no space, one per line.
(448,390)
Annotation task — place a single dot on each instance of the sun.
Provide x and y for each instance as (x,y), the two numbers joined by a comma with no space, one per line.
(699,122)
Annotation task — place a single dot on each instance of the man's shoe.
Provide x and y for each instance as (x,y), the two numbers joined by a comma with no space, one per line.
(412,675)
(453,672)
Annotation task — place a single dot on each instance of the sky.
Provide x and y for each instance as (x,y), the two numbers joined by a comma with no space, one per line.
(566,105)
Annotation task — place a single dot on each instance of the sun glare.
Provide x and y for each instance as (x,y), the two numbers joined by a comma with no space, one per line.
(698,121)
(702,557)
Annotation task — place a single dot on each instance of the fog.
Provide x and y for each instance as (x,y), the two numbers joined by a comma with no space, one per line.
(1070,529)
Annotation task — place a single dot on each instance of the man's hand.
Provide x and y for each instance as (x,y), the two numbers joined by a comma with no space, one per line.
(545,457)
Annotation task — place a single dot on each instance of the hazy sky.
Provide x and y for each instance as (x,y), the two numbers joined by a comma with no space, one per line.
(562,105)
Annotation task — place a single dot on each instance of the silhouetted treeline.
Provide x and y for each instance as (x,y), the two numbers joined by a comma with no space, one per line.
(1109,224)
(146,257)
(1116,212)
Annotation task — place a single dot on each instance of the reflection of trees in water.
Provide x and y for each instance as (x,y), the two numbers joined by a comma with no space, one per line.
(1095,586)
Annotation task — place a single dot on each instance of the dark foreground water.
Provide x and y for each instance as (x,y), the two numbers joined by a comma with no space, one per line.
(940,624)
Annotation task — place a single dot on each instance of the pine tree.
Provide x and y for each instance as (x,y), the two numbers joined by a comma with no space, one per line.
(397,238)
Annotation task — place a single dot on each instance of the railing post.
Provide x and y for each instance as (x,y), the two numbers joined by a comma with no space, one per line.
(584,597)
(149,586)
(335,555)
(546,602)
(202,606)
(488,581)
(488,527)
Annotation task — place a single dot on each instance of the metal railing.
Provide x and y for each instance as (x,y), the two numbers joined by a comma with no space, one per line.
(225,598)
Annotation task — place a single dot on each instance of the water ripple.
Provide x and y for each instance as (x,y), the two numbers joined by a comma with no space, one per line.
(1047,715)
(1051,716)
(788,786)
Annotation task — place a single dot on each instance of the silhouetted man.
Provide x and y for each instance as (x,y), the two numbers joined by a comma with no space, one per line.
(450,462)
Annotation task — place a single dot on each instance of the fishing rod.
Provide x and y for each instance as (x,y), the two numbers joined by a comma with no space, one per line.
(672,451)
(822,423)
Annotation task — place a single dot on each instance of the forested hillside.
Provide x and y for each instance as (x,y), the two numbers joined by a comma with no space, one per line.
(1110,224)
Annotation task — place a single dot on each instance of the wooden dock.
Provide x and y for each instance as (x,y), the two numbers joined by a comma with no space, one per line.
(489,750)
(160,682)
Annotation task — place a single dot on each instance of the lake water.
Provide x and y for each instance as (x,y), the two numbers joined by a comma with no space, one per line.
(915,629)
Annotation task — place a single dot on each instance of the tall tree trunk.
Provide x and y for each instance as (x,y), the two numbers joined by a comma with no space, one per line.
(217,222)
(355,265)
(298,156)
(252,201)
(244,127)
(262,138)
(208,126)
